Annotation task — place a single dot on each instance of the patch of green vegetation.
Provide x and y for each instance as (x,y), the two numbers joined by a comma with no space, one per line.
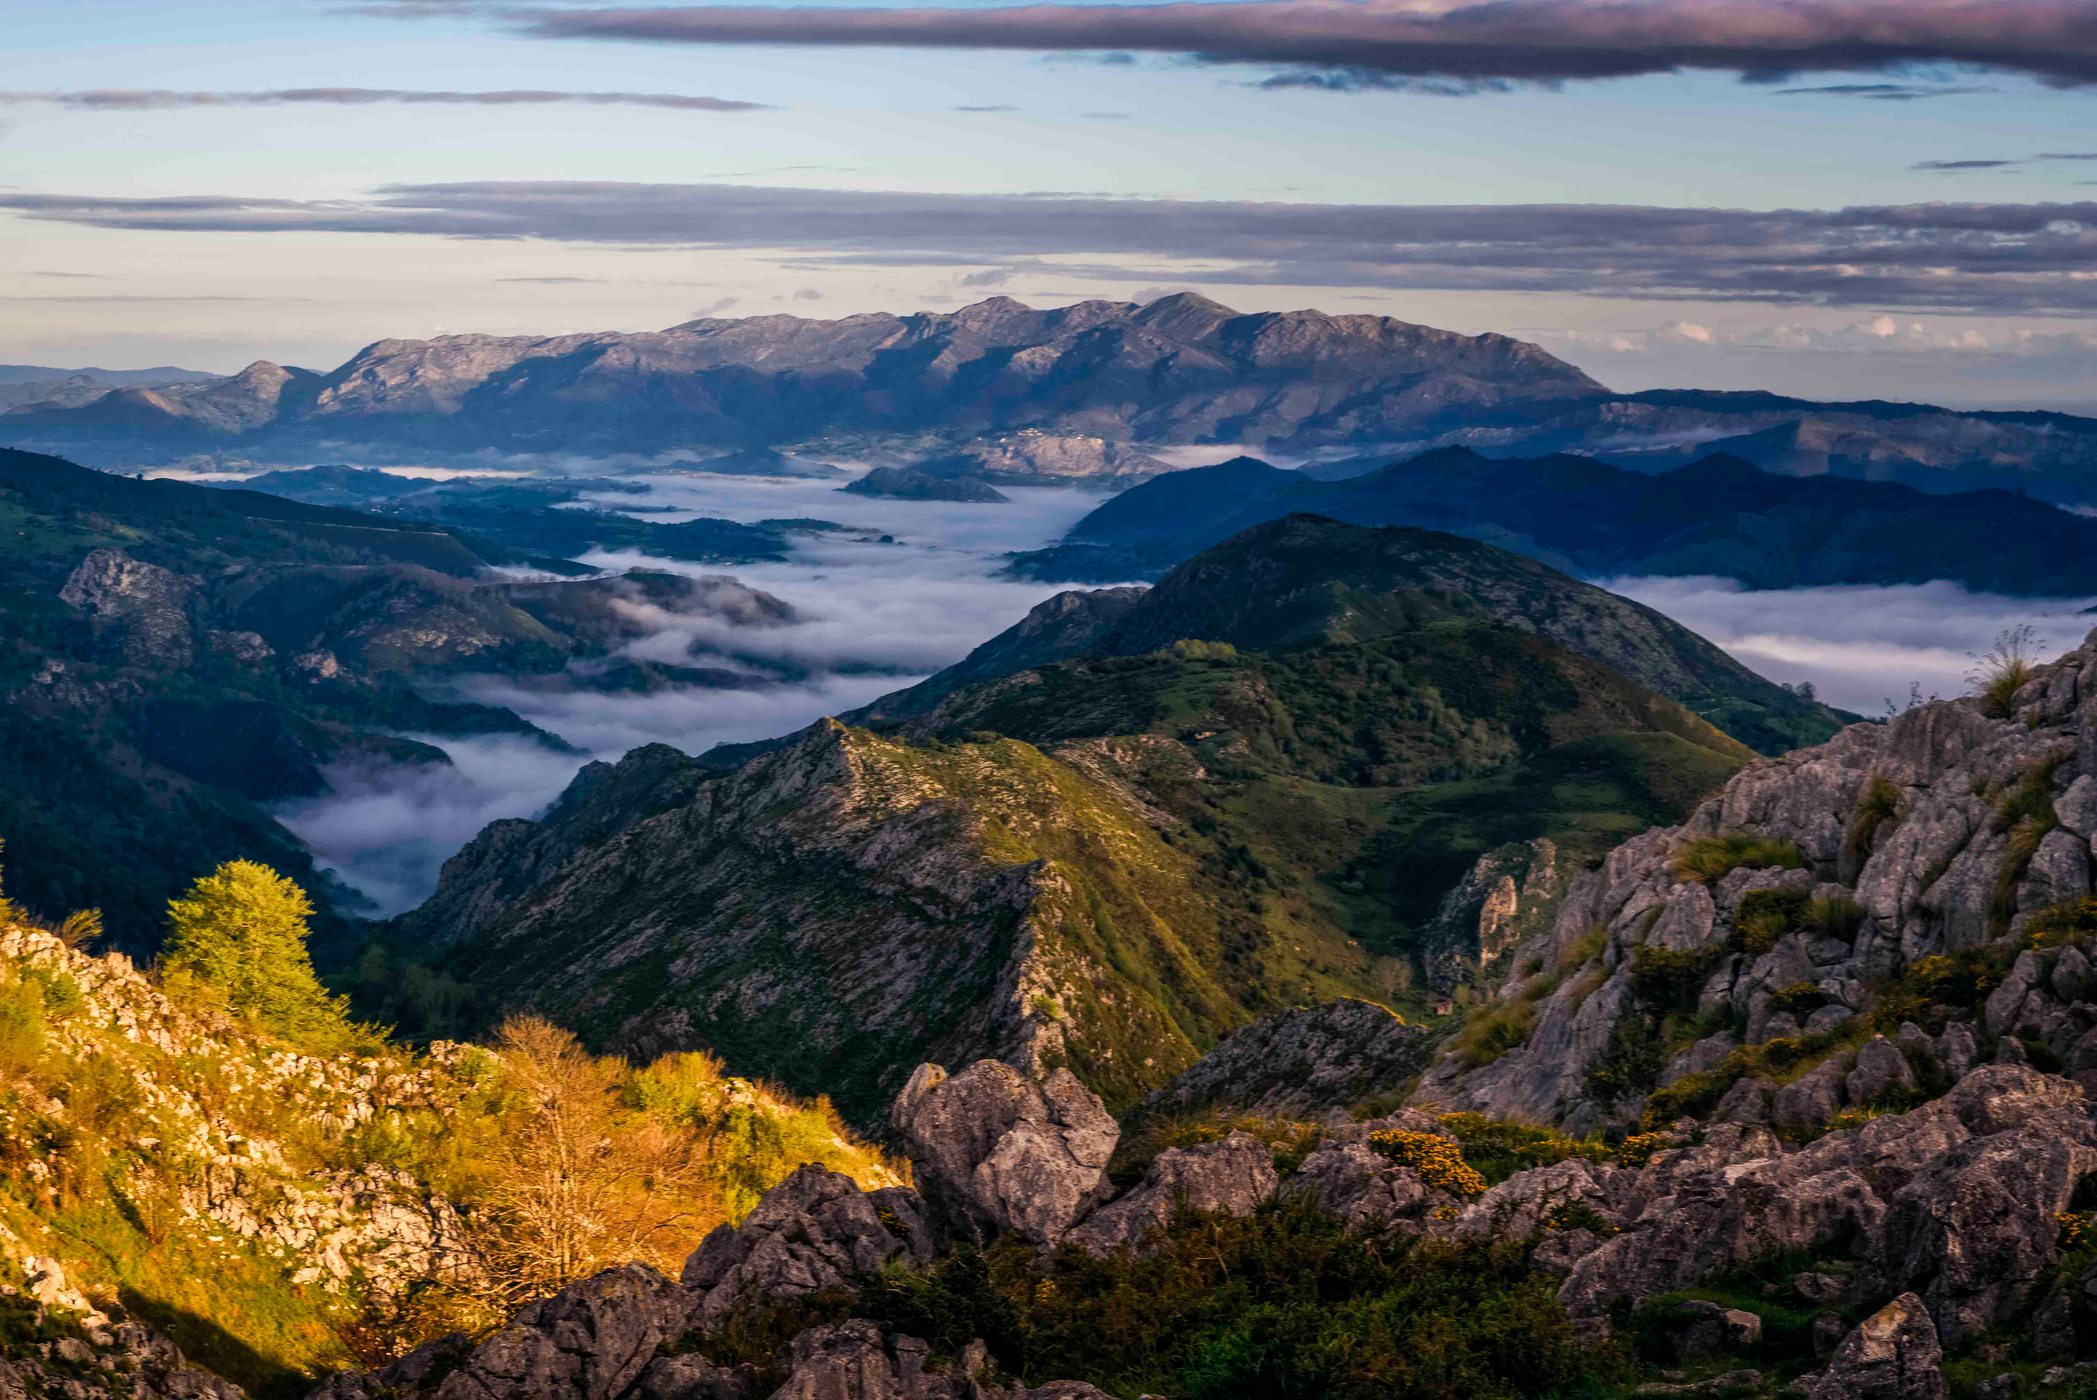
(1492,1031)
(1498,1148)
(1878,804)
(2026,813)
(1670,979)
(1708,859)
(1631,1061)
(2072,922)
(1284,1304)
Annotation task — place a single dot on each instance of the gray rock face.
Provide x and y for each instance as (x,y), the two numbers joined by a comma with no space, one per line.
(996,1153)
(1295,1063)
(1899,832)
(146,604)
(1235,1176)
(1480,919)
(854,1360)
(594,1340)
(814,1231)
(1892,1355)
(1956,1201)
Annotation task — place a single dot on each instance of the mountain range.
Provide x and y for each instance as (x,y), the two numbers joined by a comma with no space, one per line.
(176,656)
(1114,834)
(1178,370)
(1718,515)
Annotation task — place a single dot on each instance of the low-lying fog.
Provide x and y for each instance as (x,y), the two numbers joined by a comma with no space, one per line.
(875,616)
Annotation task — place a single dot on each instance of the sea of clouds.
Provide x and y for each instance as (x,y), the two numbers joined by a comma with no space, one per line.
(874,614)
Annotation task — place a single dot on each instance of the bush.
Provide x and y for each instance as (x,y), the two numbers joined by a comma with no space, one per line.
(21,1028)
(1766,916)
(2058,925)
(1439,1162)
(1709,859)
(1835,917)
(1494,1030)
(1498,1148)
(1671,979)
(1285,1304)
(1878,804)
(1800,998)
(1631,1061)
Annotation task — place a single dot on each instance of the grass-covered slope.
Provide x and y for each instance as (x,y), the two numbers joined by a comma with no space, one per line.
(1306,580)
(837,911)
(280,1207)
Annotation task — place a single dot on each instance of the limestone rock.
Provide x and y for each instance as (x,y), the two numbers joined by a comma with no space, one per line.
(1892,1355)
(1235,1176)
(998,1153)
(593,1340)
(814,1231)
(1299,1061)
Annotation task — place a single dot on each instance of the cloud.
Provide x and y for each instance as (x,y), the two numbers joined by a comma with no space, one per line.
(1883,92)
(1481,42)
(1971,257)
(1963,164)
(869,617)
(715,308)
(163,99)
(988,107)
(555,281)
(1859,646)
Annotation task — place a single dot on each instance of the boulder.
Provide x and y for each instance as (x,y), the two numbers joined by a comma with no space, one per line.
(593,1340)
(996,1152)
(1881,1069)
(1235,1176)
(1702,1330)
(1299,1061)
(814,1231)
(1807,1103)
(853,1360)
(1892,1355)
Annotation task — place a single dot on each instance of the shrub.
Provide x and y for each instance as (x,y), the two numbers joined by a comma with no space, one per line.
(2058,925)
(1670,979)
(1498,1148)
(1836,916)
(1284,1304)
(1800,998)
(21,1028)
(1494,1030)
(1766,916)
(2001,671)
(1439,1162)
(1631,1060)
(1878,804)
(1709,859)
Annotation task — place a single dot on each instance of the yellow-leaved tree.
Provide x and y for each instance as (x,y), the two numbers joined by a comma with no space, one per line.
(239,936)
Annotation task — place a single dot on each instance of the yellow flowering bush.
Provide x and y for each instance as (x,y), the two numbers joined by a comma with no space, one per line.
(1439,1162)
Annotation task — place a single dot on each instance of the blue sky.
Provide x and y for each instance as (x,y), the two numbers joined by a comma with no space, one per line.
(78,290)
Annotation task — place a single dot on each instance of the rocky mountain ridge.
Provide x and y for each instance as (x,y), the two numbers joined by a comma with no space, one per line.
(1719,515)
(1180,370)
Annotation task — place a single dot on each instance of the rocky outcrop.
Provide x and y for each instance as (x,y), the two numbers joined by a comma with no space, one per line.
(1235,1176)
(1505,895)
(1944,833)
(911,484)
(996,1153)
(1892,1355)
(816,1230)
(594,1340)
(1034,458)
(146,606)
(1295,1063)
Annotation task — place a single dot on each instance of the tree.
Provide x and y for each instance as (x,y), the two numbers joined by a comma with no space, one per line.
(240,934)
(575,1184)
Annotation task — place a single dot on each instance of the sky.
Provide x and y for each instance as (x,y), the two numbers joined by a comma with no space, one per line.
(1841,198)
